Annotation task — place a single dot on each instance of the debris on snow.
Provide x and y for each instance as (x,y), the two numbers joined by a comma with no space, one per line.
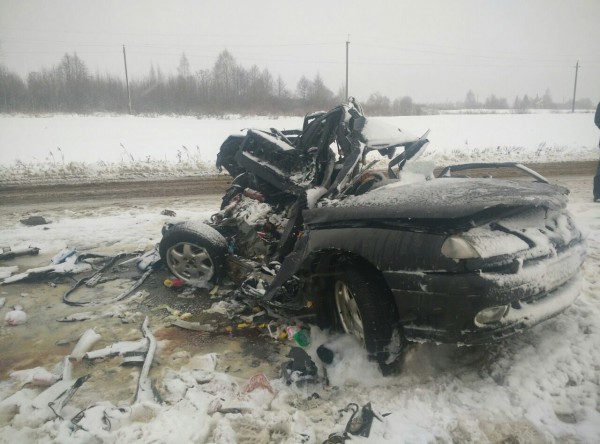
(16,316)
(34,220)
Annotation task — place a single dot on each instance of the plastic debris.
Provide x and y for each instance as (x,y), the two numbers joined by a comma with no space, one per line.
(148,260)
(16,316)
(144,389)
(359,423)
(58,395)
(37,376)
(66,369)
(75,317)
(302,337)
(196,326)
(251,317)
(291,330)
(85,343)
(119,348)
(325,354)
(175,282)
(300,370)
(62,256)
(361,420)
(8,253)
(172,311)
(133,359)
(258,381)
(276,332)
(68,266)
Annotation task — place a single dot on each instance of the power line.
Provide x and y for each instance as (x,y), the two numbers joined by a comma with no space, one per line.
(467,54)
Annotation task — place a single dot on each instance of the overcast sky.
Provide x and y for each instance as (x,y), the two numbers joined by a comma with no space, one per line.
(431,50)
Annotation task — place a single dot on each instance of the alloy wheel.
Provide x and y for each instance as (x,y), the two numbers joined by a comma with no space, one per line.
(190,262)
(348,312)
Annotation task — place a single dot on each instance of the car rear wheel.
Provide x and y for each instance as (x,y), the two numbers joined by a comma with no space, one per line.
(364,308)
(194,256)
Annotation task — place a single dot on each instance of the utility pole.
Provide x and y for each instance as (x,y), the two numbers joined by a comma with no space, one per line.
(575,87)
(127,80)
(347,45)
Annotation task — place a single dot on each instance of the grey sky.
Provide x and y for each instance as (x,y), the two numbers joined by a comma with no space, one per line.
(432,50)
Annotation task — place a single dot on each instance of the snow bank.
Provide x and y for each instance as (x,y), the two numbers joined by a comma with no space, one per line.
(84,148)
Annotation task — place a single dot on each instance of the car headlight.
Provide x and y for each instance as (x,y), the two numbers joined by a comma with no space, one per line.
(456,247)
(490,315)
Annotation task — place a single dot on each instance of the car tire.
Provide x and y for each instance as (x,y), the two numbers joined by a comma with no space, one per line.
(364,307)
(194,253)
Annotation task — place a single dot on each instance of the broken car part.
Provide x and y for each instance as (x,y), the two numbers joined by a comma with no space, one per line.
(9,253)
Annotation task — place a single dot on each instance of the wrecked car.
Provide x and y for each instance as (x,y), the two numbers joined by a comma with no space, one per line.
(310,224)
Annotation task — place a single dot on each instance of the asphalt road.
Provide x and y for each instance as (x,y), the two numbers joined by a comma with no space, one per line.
(19,194)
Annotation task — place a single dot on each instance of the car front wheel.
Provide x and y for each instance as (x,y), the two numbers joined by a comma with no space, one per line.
(193,253)
(364,308)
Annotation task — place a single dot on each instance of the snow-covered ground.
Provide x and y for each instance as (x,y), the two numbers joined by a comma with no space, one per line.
(542,386)
(65,147)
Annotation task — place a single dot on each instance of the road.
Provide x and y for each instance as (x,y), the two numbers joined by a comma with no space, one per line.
(190,186)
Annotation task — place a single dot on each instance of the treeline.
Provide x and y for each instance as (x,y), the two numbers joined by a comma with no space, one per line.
(522,103)
(227,87)
(380,105)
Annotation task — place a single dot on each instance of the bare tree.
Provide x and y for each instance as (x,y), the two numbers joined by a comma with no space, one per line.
(377,105)
(302,88)
(13,92)
(471,100)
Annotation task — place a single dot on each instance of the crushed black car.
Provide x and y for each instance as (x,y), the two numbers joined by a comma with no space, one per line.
(386,255)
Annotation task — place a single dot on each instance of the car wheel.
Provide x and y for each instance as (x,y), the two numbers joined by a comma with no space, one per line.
(194,255)
(364,308)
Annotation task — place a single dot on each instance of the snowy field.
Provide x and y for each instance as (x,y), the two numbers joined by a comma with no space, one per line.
(88,148)
(542,386)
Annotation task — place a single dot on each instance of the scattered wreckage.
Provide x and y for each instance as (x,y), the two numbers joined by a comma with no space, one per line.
(61,385)
(381,255)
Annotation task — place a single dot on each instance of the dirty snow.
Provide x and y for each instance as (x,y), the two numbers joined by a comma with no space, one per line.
(542,386)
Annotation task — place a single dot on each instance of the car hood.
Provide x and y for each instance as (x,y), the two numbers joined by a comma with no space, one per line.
(444,198)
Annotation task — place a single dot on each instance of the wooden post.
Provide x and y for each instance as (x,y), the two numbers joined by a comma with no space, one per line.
(127,81)
(575,87)
(347,45)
